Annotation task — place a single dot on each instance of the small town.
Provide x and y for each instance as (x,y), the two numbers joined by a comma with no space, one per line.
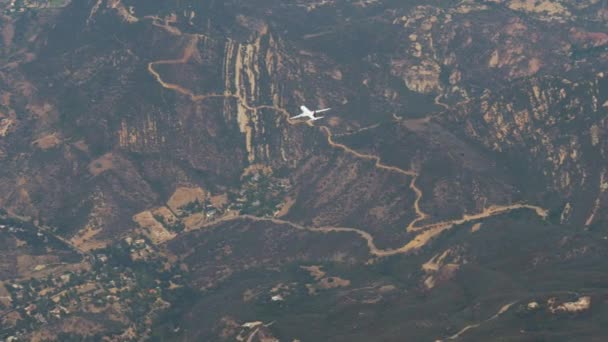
(113,282)
(128,281)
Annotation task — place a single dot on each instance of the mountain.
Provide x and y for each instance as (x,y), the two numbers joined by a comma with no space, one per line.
(154,188)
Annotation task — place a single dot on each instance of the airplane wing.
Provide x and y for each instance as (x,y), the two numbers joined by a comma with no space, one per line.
(305,110)
(316,118)
(322,110)
(299,116)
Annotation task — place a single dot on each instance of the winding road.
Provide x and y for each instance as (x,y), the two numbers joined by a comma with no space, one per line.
(424,232)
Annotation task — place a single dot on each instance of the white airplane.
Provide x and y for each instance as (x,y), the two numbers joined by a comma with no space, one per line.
(310,114)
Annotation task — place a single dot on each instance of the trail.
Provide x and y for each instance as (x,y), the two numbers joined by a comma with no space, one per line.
(439,103)
(373,249)
(376,159)
(48,230)
(166,24)
(186,56)
(487,212)
(253,334)
(596,204)
(427,232)
(420,215)
(502,310)
(418,241)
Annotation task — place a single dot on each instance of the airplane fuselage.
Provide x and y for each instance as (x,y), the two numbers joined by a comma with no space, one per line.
(310,114)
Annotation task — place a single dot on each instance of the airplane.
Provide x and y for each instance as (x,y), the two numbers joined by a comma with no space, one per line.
(307,113)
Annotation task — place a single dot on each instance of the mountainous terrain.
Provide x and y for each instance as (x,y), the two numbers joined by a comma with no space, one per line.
(153,187)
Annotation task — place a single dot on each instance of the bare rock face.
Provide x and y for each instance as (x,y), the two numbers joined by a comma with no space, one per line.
(422,78)
(580,305)
(153,186)
(556,122)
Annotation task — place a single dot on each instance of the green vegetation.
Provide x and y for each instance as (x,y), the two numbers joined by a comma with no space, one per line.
(176,227)
(192,208)
(38,240)
(260,195)
(195,207)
